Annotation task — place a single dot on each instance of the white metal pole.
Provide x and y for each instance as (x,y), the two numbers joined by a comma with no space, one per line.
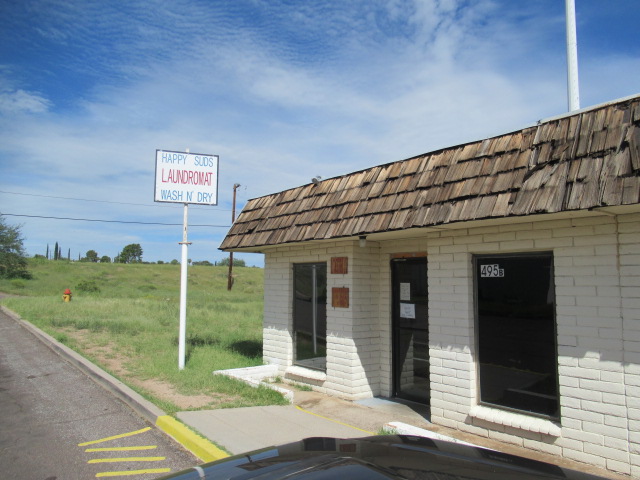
(573,88)
(183,290)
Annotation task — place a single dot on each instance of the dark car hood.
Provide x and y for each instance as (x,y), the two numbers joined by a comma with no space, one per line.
(379,457)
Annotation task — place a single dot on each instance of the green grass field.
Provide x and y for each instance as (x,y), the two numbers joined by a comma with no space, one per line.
(125,318)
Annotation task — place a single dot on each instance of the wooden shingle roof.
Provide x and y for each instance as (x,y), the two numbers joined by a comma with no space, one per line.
(578,161)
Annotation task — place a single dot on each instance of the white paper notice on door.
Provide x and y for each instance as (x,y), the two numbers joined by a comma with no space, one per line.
(407,310)
(405,292)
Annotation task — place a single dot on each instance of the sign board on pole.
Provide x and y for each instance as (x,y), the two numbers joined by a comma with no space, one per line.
(186,178)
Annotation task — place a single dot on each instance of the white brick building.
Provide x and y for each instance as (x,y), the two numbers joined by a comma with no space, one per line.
(497,282)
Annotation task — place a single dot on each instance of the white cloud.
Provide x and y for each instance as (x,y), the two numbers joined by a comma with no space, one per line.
(20,101)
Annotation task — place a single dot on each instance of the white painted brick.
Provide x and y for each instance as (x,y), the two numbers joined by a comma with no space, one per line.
(595,240)
(500,237)
(600,386)
(606,452)
(547,243)
(575,232)
(577,372)
(582,436)
(571,382)
(596,363)
(584,415)
(619,467)
(517,245)
(621,444)
(606,431)
(582,394)
(614,399)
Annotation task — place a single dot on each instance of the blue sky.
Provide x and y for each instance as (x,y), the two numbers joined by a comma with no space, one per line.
(282,91)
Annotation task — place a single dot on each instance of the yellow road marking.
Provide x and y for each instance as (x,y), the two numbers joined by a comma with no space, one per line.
(121,449)
(126,459)
(334,421)
(133,472)
(130,434)
(199,446)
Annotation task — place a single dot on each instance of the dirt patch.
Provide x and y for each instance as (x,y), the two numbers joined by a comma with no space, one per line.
(7,295)
(107,356)
(167,392)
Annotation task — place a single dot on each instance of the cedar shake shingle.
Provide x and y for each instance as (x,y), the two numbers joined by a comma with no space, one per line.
(583,160)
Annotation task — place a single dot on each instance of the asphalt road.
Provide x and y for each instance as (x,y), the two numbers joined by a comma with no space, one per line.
(58,424)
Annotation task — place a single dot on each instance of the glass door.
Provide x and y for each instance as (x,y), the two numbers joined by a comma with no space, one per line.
(410,329)
(310,315)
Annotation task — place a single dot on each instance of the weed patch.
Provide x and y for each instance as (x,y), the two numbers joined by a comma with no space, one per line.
(18,283)
(125,318)
(87,286)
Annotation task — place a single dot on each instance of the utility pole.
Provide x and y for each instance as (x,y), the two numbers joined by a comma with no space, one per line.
(233,219)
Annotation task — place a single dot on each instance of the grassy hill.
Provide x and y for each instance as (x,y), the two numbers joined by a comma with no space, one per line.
(125,318)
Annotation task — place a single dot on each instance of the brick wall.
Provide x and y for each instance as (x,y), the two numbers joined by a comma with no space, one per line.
(629,236)
(353,336)
(597,279)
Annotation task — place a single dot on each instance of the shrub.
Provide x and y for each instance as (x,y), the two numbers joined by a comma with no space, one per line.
(87,286)
(17,283)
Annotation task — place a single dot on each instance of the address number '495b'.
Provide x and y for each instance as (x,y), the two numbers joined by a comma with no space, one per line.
(491,271)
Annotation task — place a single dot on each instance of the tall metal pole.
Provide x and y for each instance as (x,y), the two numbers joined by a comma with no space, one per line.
(233,219)
(183,290)
(573,88)
(182,331)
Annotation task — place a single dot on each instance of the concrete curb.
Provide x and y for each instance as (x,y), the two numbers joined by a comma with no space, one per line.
(199,446)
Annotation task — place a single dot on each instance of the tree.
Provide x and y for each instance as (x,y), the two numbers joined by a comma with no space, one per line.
(13,262)
(237,262)
(105,259)
(206,263)
(92,256)
(55,252)
(132,253)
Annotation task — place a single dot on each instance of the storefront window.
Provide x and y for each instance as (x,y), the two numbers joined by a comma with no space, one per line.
(515,319)
(310,314)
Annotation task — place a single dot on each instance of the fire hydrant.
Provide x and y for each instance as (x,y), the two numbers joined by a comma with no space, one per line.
(66,296)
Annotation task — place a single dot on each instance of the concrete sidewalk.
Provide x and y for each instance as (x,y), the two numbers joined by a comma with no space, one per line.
(312,415)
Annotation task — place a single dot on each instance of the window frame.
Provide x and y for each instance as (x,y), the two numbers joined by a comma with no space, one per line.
(476,258)
(296,361)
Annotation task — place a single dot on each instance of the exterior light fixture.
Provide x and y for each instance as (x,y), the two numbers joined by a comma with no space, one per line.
(362,240)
